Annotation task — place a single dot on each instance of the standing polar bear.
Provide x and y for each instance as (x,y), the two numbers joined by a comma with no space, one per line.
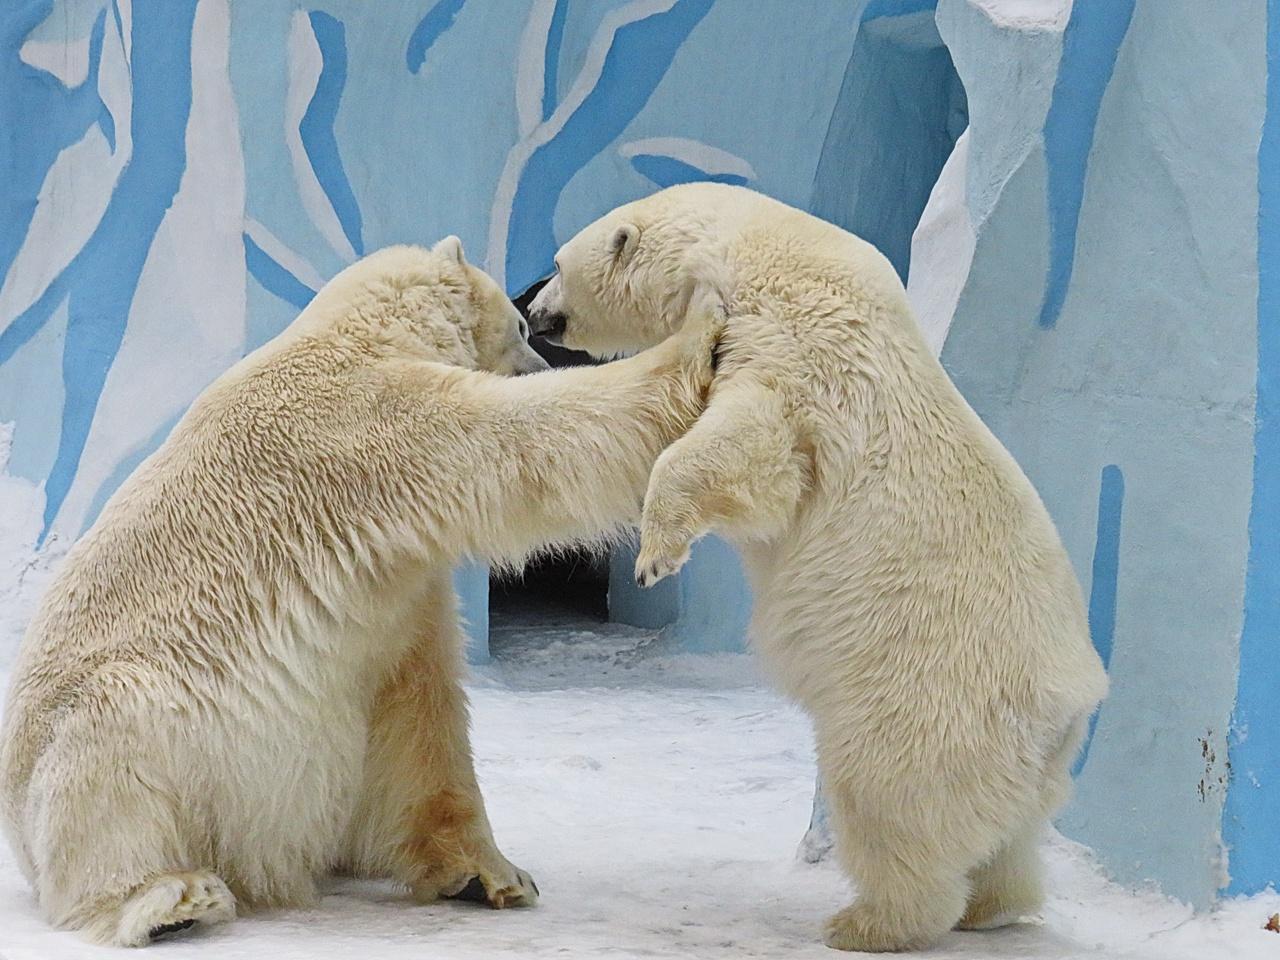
(248,671)
(911,591)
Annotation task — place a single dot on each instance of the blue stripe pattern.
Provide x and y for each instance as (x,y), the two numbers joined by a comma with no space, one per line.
(1106,577)
(636,62)
(429,29)
(1251,825)
(318,137)
(895,8)
(49,116)
(100,281)
(1089,50)
(274,278)
(551,59)
(668,171)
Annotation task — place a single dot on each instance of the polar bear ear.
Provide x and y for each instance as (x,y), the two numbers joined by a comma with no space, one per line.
(451,247)
(623,242)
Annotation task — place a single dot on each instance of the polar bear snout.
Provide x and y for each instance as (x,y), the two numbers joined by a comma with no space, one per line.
(547,317)
(550,325)
(530,362)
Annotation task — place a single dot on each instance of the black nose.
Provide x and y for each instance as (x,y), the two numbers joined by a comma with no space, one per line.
(548,325)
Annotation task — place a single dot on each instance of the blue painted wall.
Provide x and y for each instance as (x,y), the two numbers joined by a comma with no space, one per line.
(1089,50)
(472,584)
(1107,330)
(1104,580)
(177,177)
(1252,822)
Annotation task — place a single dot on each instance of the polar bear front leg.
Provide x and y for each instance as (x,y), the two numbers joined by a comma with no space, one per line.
(737,469)
(428,817)
(421,817)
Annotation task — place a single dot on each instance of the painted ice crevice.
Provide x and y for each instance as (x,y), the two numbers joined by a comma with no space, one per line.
(67,113)
(429,29)
(101,279)
(1089,50)
(537,66)
(670,160)
(62,171)
(1249,818)
(626,59)
(318,69)
(190,297)
(280,270)
(317,56)
(1103,583)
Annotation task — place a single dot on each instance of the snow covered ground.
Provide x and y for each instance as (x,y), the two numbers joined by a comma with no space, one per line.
(658,801)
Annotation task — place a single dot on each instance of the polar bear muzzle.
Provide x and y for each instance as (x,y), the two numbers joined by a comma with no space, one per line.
(547,324)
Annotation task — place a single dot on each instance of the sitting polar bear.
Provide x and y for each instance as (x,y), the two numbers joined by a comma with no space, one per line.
(911,591)
(247,672)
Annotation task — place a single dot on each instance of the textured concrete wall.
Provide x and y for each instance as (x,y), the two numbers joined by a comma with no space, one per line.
(1107,332)
(1251,827)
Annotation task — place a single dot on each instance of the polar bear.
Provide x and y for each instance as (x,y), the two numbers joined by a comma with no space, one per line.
(911,591)
(247,673)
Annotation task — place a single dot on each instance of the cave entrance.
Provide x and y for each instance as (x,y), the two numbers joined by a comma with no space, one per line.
(901,108)
(558,592)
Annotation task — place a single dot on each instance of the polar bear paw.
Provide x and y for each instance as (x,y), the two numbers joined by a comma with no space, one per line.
(859,929)
(869,928)
(522,892)
(653,565)
(505,886)
(171,903)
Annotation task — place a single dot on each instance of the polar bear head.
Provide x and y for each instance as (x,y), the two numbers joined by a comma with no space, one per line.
(631,278)
(498,334)
(430,303)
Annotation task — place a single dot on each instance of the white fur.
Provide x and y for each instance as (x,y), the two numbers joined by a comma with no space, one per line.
(247,673)
(911,590)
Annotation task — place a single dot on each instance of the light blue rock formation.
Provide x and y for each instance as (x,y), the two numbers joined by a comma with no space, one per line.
(1108,333)
(1073,191)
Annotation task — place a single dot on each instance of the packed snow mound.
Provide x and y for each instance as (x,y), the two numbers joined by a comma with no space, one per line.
(24,569)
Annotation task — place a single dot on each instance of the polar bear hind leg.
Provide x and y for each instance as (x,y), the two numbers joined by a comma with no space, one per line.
(912,883)
(167,904)
(108,853)
(1008,886)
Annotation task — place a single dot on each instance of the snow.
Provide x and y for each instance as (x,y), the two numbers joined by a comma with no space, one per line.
(24,572)
(658,799)
(1047,15)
